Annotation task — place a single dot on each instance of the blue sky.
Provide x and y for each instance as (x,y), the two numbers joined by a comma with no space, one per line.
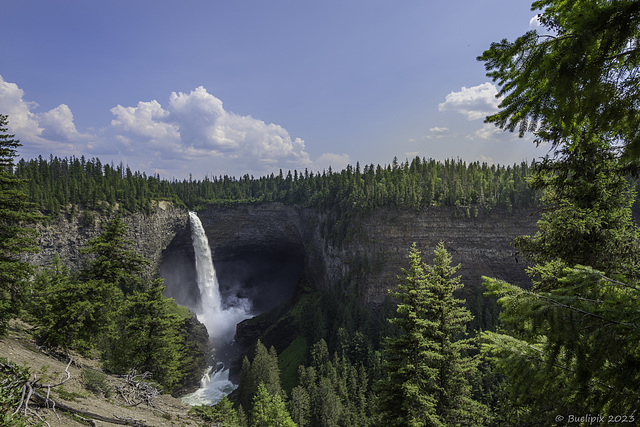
(234,87)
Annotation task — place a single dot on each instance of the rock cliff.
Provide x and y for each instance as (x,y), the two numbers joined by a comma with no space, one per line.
(260,251)
(151,233)
(263,249)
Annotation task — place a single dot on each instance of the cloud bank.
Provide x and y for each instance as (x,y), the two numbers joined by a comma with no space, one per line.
(195,129)
(192,132)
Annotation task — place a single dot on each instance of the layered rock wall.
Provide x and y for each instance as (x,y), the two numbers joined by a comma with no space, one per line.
(366,265)
(482,245)
(150,232)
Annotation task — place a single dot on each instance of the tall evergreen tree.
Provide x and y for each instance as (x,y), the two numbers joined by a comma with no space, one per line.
(263,369)
(16,234)
(147,338)
(114,260)
(587,216)
(582,69)
(72,314)
(269,410)
(427,371)
(570,344)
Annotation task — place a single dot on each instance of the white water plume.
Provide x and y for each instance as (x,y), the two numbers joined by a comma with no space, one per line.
(220,318)
(214,385)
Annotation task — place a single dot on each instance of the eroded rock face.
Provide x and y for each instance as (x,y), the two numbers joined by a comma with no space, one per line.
(260,250)
(258,253)
(150,232)
(482,245)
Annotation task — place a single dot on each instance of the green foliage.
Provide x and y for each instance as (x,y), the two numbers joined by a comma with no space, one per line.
(12,381)
(262,370)
(70,396)
(289,360)
(580,76)
(113,259)
(587,219)
(269,410)
(96,382)
(16,236)
(146,338)
(71,314)
(332,391)
(426,366)
(571,349)
(222,413)
(569,345)
(57,185)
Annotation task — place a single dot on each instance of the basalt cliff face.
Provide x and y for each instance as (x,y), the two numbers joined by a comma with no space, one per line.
(150,233)
(261,251)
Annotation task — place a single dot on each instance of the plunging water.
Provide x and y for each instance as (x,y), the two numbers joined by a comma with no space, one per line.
(219,317)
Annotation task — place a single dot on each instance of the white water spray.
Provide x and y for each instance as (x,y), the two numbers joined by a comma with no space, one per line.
(220,319)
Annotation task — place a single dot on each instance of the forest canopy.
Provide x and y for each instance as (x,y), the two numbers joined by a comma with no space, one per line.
(70,183)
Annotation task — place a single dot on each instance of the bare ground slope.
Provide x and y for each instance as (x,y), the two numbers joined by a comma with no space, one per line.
(19,348)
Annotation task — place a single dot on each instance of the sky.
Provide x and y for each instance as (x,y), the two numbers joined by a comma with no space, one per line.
(239,87)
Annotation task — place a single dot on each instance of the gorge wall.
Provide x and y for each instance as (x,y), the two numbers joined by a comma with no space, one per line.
(150,232)
(260,251)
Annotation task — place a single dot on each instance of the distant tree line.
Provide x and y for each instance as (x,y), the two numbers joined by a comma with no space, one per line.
(68,183)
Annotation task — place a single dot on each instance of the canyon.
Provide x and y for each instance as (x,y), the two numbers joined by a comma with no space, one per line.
(260,251)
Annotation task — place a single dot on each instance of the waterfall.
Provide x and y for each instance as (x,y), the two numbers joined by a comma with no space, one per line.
(205,272)
(220,318)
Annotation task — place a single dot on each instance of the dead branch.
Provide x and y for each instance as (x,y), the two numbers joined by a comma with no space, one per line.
(137,389)
(139,385)
(40,399)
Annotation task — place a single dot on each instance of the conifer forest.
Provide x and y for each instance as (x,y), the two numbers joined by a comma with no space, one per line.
(560,350)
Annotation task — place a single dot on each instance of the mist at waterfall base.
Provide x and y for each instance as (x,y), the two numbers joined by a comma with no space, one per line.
(219,316)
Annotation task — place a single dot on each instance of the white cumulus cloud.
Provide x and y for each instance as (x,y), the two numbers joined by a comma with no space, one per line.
(534,23)
(22,121)
(191,133)
(475,102)
(194,127)
(57,123)
(53,130)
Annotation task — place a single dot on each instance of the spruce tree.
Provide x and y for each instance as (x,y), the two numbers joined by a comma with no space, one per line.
(587,219)
(426,366)
(262,370)
(114,260)
(16,233)
(569,345)
(582,68)
(72,314)
(147,338)
(269,410)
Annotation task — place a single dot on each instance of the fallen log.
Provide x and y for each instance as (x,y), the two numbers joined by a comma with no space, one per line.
(42,401)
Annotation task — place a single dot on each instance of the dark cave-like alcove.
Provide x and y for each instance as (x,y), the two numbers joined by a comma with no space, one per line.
(265,274)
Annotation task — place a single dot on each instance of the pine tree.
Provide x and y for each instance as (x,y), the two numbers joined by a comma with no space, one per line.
(570,344)
(269,410)
(113,259)
(582,69)
(16,236)
(262,370)
(147,338)
(72,314)
(426,367)
(587,218)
